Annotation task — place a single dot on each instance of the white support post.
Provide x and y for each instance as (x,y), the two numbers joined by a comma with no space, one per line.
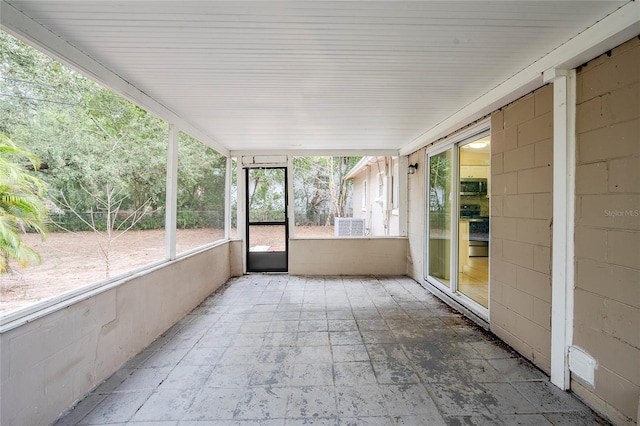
(403,195)
(172,193)
(562,276)
(227,199)
(241,210)
(291,202)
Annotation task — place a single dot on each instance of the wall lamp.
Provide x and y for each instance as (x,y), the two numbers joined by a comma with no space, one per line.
(412,168)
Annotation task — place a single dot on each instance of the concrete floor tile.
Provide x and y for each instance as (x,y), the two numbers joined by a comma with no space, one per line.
(276,350)
(361,401)
(345,338)
(275,374)
(312,338)
(493,349)
(408,400)
(475,420)
(530,420)
(458,350)
(273,354)
(340,314)
(366,421)
(164,358)
(214,404)
(144,379)
(280,339)
(286,316)
(549,398)
(342,325)
(202,356)
(263,403)
(112,382)
(84,407)
(458,400)
(428,419)
(284,327)
(372,325)
(329,421)
(312,375)
(502,398)
(312,355)
(353,373)
(115,408)
(586,417)
(254,327)
(187,377)
(312,402)
(170,404)
(240,355)
(313,314)
(230,376)
(517,369)
(254,340)
(313,325)
(348,353)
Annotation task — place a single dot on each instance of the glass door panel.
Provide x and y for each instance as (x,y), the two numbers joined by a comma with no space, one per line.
(267,231)
(474,161)
(439,230)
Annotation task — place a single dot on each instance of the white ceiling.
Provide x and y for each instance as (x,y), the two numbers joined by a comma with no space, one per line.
(315,74)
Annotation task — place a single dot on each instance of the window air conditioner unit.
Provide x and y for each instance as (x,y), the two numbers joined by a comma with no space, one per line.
(348,227)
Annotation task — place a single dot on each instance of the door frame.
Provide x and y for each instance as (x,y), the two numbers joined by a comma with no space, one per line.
(282,258)
(480,130)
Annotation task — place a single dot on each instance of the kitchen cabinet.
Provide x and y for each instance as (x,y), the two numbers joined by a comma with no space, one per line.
(474,172)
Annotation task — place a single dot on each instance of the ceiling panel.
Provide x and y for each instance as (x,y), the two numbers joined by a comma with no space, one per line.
(315,74)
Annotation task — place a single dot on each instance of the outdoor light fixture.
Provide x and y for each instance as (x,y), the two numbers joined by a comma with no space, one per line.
(412,168)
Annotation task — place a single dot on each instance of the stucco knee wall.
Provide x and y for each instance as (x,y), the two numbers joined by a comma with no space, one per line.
(348,256)
(49,363)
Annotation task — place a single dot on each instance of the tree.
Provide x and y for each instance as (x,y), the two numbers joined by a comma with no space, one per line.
(22,205)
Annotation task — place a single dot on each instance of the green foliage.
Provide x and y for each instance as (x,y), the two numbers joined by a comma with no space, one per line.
(90,139)
(22,204)
(321,193)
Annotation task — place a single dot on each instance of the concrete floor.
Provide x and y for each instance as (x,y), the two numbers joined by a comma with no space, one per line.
(280,350)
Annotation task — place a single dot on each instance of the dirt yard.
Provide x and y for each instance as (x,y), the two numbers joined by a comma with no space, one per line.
(71,260)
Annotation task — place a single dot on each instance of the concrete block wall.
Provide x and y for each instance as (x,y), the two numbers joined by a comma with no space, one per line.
(48,362)
(521,217)
(607,230)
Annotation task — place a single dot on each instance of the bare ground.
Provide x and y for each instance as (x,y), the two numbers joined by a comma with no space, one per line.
(71,260)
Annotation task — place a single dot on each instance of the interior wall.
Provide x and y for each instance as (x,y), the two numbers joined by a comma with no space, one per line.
(521,217)
(48,363)
(607,227)
(348,256)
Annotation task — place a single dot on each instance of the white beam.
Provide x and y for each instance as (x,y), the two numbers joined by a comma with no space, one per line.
(562,274)
(291,204)
(227,199)
(319,152)
(20,25)
(171,207)
(403,205)
(606,34)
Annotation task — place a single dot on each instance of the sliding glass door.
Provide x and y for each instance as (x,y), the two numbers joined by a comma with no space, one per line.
(439,229)
(458,181)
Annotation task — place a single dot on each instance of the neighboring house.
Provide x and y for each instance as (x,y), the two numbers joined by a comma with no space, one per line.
(375,195)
